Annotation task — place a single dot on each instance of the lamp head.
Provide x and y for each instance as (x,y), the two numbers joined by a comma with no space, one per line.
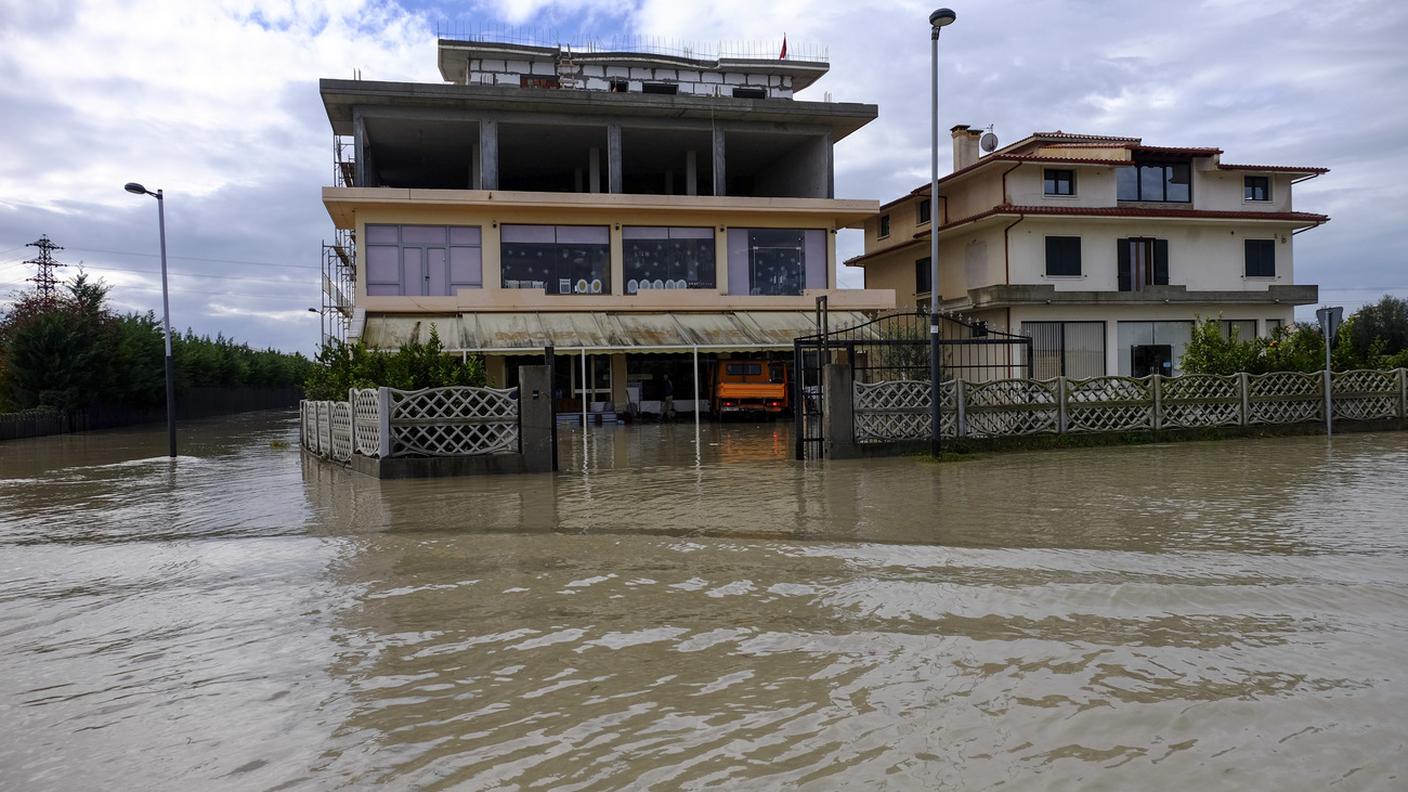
(942,18)
(135,188)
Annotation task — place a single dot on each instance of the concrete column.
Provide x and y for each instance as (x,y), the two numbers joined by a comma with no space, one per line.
(535,418)
(831,167)
(618,262)
(360,145)
(691,172)
(619,397)
(721,260)
(495,373)
(488,155)
(594,170)
(838,427)
(613,158)
(719,162)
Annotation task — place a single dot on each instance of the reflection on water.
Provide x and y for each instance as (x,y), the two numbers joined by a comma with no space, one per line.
(663,615)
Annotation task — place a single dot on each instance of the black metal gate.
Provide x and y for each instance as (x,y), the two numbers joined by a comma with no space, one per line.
(896,347)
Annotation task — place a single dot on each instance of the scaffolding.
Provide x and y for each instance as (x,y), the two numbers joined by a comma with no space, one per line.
(339,286)
(344,159)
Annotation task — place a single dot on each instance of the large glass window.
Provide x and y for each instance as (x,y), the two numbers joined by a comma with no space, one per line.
(422,261)
(1152,347)
(1142,263)
(556,259)
(776,261)
(1261,258)
(1071,349)
(1158,182)
(667,258)
(1256,188)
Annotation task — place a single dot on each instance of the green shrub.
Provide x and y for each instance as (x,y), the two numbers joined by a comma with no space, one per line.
(415,365)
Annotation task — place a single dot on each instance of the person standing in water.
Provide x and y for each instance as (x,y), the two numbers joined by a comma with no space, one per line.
(667,399)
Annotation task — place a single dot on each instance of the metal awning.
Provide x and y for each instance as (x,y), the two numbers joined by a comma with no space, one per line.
(529,332)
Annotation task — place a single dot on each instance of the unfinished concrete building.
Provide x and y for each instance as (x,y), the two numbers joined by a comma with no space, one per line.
(634,210)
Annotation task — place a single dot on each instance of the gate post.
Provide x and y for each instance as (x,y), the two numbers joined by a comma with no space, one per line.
(535,418)
(383,412)
(1061,418)
(838,421)
(799,406)
(1244,382)
(960,406)
(1156,383)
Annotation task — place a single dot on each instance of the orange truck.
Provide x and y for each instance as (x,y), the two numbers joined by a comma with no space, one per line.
(751,386)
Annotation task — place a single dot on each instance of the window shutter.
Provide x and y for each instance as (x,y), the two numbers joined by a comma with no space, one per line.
(1160,262)
(1126,273)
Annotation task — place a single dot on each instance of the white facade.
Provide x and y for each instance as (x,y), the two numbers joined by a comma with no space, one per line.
(1102,243)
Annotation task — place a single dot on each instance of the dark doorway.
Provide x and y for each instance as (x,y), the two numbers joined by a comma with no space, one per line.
(1149,359)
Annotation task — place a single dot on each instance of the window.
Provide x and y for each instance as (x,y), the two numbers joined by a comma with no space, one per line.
(1157,182)
(1059,182)
(750,93)
(925,210)
(556,259)
(619,85)
(1152,347)
(1261,258)
(776,261)
(923,276)
(743,369)
(1256,188)
(1272,325)
(667,258)
(1062,256)
(884,227)
(432,261)
(660,88)
(541,82)
(1069,349)
(1142,263)
(1241,329)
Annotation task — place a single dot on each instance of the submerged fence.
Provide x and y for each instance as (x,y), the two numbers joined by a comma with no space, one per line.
(898,410)
(434,422)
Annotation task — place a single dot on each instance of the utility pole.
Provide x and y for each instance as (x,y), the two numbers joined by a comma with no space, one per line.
(44,279)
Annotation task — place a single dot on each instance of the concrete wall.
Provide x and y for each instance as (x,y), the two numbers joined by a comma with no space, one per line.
(804,172)
(1202,256)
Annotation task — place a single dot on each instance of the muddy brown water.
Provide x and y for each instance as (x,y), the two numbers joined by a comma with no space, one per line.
(1228,615)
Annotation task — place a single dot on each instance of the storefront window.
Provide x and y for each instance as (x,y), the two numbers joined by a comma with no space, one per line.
(556,259)
(414,260)
(667,258)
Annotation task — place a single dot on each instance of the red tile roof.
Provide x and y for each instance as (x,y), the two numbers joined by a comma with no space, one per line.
(1177,151)
(1276,168)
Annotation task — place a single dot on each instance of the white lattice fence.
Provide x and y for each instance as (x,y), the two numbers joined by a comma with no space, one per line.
(1284,397)
(304,431)
(325,428)
(366,424)
(1365,395)
(891,411)
(1004,408)
(1109,404)
(341,431)
(453,421)
(1195,401)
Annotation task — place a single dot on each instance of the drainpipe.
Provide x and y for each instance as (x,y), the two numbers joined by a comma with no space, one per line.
(1006,248)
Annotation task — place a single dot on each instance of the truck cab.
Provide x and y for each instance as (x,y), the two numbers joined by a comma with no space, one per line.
(751,386)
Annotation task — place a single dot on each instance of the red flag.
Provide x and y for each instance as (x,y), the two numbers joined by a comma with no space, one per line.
(783,56)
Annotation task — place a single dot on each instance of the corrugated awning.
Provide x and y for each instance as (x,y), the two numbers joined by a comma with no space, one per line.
(529,333)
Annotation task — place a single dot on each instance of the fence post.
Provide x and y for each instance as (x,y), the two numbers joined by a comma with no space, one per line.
(1156,383)
(1061,418)
(1403,393)
(383,414)
(1244,382)
(327,433)
(960,406)
(352,416)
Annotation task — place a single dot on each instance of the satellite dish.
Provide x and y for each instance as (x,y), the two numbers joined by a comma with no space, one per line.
(988,141)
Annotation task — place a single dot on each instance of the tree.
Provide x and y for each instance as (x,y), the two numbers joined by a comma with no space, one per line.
(1210,351)
(1384,324)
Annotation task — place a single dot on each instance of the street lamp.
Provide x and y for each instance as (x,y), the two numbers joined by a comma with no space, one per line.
(938,20)
(137,189)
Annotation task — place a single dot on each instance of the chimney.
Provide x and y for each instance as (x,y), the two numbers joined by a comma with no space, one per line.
(965,146)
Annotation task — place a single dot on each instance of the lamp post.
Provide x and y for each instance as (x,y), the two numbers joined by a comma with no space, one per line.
(137,189)
(937,22)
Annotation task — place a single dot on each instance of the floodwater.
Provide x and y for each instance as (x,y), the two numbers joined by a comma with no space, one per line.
(1228,615)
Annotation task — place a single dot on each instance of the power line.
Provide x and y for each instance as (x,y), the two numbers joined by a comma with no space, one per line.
(197,258)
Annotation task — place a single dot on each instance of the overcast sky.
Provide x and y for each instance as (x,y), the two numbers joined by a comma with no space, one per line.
(217,103)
